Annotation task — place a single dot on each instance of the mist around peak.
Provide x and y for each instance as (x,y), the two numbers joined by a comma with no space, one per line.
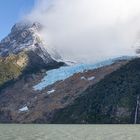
(89,30)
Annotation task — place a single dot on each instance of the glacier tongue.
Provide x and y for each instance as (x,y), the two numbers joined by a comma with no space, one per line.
(65,72)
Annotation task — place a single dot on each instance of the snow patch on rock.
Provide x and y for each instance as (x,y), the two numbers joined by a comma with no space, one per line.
(91,78)
(51,91)
(24,109)
(83,78)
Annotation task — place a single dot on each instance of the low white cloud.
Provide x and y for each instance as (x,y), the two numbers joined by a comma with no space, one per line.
(89,30)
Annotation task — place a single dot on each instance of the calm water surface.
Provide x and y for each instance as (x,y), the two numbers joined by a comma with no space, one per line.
(69,132)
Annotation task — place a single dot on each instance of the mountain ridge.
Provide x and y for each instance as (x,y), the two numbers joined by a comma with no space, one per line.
(25,40)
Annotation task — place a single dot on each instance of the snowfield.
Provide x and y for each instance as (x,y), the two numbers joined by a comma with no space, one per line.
(65,72)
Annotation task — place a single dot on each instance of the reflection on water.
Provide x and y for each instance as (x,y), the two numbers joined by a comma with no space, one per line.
(69,132)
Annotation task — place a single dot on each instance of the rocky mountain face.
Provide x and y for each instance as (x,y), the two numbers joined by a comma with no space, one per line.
(115,99)
(35,88)
(24,37)
(23,51)
(21,103)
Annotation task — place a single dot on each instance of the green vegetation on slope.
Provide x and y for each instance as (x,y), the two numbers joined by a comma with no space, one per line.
(112,100)
(12,66)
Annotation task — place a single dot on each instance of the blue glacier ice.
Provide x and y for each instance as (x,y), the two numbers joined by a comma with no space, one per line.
(65,72)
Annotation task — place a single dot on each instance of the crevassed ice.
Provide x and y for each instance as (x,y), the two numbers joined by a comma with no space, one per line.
(65,72)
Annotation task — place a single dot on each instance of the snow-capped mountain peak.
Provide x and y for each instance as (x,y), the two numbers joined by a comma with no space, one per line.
(22,36)
(25,37)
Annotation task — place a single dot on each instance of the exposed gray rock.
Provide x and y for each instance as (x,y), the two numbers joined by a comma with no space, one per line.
(25,36)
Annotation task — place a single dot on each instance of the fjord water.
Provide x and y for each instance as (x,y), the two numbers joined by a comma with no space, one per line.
(69,132)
